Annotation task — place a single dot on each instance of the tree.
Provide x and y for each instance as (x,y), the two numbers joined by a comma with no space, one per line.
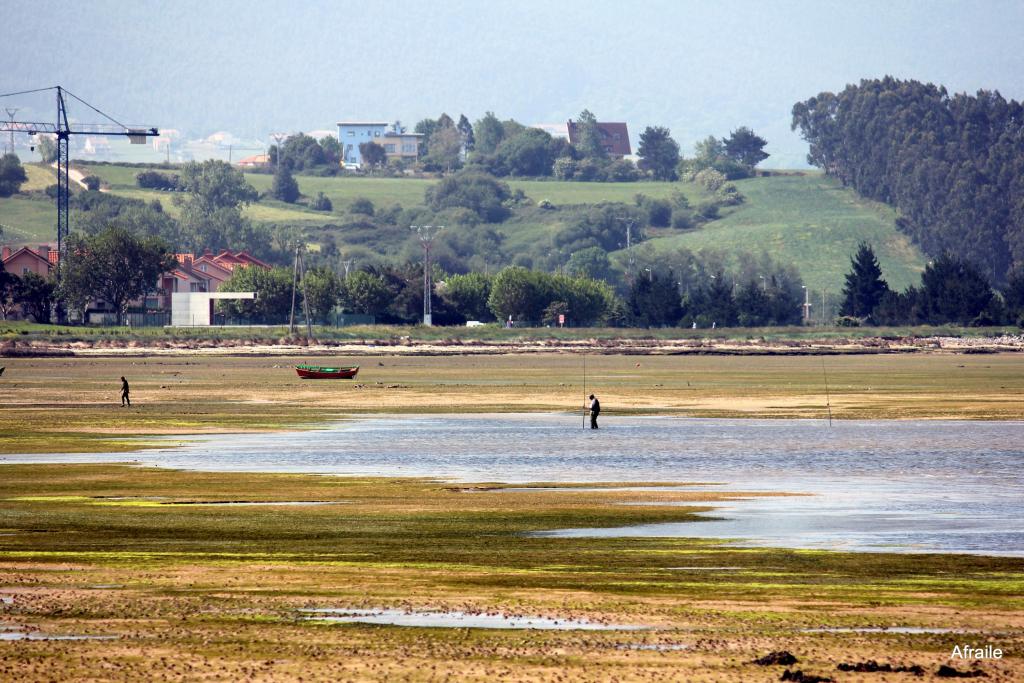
(528,154)
(479,192)
(745,147)
(215,185)
(323,288)
(864,284)
(707,153)
(10,289)
(331,149)
(488,133)
(590,143)
(520,294)
(654,300)
(47,149)
(36,297)
(273,288)
(366,293)
(465,129)
(12,175)
(591,262)
(445,152)
(373,155)
(468,295)
(753,305)
(953,290)
(116,266)
(1013,294)
(284,187)
(659,153)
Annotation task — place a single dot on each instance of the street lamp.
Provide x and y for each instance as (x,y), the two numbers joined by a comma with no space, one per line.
(427,233)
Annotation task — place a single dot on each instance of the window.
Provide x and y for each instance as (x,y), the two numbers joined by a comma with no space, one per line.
(197,286)
(376,133)
(408,148)
(202,267)
(389,148)
(25,270)
(351,133)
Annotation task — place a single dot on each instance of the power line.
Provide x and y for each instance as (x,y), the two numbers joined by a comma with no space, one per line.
(28,92)
(94,108)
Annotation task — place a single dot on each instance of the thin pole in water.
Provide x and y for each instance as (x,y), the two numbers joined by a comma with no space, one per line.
(584,389)
(828,400)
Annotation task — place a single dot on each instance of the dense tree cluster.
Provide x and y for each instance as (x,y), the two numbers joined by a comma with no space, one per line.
(952,165)
(301,152)
(952,290)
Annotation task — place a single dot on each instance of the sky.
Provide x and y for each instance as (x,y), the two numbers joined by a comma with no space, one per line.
(698,68)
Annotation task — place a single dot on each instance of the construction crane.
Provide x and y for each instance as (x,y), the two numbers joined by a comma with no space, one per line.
(63,130)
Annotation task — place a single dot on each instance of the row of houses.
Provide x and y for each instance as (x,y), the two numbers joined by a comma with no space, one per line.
(192,274)
(398,144)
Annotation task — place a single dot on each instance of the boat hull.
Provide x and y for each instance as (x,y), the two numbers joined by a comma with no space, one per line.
(326,373)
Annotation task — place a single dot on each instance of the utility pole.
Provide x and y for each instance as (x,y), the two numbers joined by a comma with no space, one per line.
(347,263)
(11,111)
(807,305)
(279,138)
(299,279)
(427,233)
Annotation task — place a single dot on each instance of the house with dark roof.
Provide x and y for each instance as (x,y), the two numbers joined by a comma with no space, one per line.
(614,137)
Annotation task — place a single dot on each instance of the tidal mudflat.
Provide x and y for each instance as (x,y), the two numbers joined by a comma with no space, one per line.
(899,486)
(428,512)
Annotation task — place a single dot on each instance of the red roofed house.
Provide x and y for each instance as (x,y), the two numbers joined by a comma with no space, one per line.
(614,137)
(27,260)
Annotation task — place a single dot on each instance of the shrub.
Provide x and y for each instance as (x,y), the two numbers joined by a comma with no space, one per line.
(659,212)
(708,210)
(565,168)
(322,202)
(361,205)
(848,321)
(91,182)
(710,179)
(156,181)
(546,205)
(682,219)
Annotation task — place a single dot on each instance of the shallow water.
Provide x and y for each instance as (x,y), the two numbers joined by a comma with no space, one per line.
(457,619)
(911,486)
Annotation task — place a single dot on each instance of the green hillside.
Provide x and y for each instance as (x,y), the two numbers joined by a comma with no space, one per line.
(805,219)
(810,221)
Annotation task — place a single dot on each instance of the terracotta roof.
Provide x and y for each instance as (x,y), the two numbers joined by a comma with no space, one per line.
(33,252)
(614,136)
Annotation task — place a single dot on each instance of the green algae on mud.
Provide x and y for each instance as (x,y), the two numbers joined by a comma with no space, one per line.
(62,513)
(217,593)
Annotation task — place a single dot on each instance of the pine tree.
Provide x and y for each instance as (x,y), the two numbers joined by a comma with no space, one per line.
(864,284)
(284,187)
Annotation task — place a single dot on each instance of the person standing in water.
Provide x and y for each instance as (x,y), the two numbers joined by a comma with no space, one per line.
(125,401)
(595,410)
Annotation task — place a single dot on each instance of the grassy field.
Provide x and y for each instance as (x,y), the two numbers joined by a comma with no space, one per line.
(810,221)
(27,221)
(807,220)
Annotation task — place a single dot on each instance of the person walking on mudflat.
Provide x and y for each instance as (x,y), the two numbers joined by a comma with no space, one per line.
(125,401)
(595,410)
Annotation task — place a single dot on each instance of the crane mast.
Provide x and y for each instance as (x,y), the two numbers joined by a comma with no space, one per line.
(63,130)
